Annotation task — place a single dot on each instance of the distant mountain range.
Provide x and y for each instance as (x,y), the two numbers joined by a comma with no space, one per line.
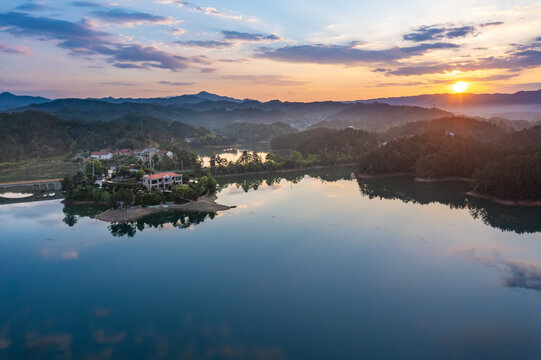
(10,101)
(214,111)
(522,105)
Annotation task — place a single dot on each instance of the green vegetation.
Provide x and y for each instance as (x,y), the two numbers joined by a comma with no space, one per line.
(247,133)
(35,135)
(35,169)
(328,145)
(507,167)
(516,177)
(458,125)
(80,188)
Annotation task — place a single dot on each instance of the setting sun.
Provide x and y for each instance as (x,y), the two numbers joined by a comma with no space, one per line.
(460,86)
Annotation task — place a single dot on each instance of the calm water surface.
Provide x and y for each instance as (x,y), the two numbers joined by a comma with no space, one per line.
(303,268)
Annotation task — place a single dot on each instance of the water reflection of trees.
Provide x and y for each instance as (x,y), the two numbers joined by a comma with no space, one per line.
(74,212)
(253,182)
(507,218)
(180,220)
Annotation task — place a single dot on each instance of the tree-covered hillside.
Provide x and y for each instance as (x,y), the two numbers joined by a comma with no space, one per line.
(379,116)
(247,133)
(33,134)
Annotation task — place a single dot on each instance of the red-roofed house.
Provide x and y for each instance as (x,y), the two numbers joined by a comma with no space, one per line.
(162,180)
(102,155)
(125,152)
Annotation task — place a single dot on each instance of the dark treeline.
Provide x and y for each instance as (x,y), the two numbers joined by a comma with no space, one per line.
(506,167)
(33,134)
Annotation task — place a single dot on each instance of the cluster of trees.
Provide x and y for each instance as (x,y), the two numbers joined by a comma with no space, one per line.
(458,125)
(250,162)
(430,155)
(508,166)
(328,142)
(80,188)
(515,176)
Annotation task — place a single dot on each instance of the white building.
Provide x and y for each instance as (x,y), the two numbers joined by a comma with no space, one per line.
(162,180)
(101,155)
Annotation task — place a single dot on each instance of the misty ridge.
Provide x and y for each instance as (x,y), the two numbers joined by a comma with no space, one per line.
(214,111)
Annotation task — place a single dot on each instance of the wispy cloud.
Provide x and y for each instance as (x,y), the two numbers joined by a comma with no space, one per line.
(205,43)
(118,83)
(85,4)
(346,54)
(523,57)
(272,80)
(33,7)
(215,12)
(176,83)
(123,17)
(243,36)
(177,31)
(15,50)
(82,39)
(438,32)
(176,2)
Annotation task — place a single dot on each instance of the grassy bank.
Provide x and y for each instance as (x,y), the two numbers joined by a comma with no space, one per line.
(36,169)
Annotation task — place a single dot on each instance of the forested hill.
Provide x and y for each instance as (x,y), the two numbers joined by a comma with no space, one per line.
(33,134)
(379,116)
(459,125)
(217,114)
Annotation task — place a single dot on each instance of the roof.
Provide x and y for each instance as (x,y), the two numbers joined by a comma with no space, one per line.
(161,175)
(101,153)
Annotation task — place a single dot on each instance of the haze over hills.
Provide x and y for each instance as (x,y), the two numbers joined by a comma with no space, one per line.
(215,111)
(522,105)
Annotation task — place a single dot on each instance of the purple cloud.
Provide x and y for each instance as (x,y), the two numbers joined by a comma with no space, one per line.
(81,39)
(436,32)
(346,54)
(205,43)
(235,35)
(120,16)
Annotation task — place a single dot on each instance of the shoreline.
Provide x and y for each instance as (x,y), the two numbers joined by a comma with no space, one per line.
(504,201)
(382,176)
(450,178)
(205,204)
(319,167)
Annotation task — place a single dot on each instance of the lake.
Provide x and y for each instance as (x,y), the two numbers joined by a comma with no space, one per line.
(317,266)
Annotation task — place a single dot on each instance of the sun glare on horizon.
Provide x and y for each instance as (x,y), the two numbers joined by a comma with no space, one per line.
(460,86)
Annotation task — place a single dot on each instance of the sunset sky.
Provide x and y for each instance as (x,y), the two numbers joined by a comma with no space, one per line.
(295,50)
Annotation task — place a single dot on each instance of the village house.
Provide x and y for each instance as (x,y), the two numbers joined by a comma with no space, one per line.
(147,154)
(125,152)
(163,153)
(138,152)
(101,155)
(162,180)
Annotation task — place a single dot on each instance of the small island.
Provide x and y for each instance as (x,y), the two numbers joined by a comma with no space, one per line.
(133,196)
